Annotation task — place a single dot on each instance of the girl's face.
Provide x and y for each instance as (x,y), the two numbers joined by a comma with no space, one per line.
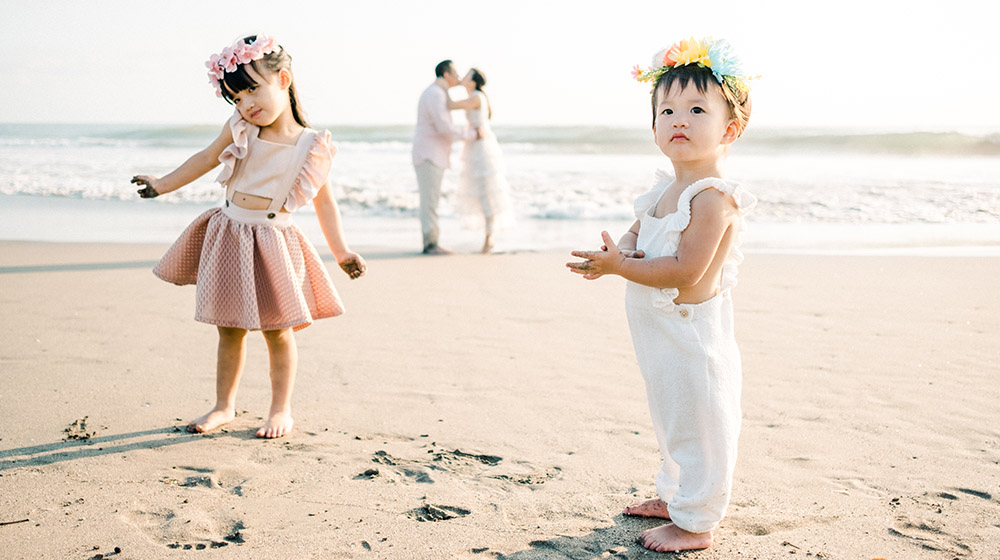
(263,104)
(692,126)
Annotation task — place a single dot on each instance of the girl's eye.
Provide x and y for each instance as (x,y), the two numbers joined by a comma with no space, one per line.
(667,112)
(697,110)
(251,89)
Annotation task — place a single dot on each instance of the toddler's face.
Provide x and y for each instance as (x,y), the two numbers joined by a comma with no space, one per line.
(262,104)
(692,125)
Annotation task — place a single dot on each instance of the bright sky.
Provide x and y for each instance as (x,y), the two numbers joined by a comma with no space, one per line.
(872,64)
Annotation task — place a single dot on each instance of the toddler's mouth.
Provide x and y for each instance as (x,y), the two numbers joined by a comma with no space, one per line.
(678,136)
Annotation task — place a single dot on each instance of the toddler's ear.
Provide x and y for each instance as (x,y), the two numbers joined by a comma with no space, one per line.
(732,133)
(284,77)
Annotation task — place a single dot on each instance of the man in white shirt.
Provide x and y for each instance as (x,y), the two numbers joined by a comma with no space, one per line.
(432,142)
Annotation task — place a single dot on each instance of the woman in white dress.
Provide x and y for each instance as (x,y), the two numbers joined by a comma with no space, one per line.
(482,189)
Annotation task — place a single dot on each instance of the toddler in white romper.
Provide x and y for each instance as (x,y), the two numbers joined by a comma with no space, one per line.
(691,365)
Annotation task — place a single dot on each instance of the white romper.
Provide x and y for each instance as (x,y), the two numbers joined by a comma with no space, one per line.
(689,360)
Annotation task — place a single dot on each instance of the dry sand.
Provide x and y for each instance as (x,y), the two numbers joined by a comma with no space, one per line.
(479,407)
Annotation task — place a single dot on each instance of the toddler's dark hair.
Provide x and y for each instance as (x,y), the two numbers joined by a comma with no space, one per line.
(739,103)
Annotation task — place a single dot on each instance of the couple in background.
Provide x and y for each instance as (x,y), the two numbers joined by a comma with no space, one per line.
(482,190)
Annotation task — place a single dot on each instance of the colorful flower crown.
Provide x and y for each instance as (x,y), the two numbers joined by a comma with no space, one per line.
(238,53)
(715,54)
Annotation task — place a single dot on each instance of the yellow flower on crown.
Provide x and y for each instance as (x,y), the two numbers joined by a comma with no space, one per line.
(688,51)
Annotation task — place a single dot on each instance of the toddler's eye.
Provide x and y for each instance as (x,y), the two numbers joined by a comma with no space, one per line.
(697,110)
(667,112)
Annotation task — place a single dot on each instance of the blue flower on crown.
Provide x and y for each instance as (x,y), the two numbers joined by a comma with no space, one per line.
(724,60)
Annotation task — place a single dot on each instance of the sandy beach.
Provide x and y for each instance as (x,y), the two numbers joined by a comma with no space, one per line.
(490,407)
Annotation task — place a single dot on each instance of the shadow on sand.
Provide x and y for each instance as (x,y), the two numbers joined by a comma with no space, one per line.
(617,542)
(95,446)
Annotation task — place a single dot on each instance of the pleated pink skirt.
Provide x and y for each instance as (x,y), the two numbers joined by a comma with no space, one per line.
(250,276)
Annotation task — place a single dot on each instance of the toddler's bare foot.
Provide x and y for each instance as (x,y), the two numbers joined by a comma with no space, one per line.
(649,508)
(488,245)
(277,425)
(210,421)
(671,538)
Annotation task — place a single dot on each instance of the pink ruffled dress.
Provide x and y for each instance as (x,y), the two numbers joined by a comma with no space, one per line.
(254,269)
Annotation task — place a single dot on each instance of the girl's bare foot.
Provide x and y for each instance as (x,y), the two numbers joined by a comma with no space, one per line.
(279,424)
(671,538)
(210,421)
(649,508)
(488,245)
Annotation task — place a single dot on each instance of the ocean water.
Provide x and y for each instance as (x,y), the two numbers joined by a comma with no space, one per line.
(819,191)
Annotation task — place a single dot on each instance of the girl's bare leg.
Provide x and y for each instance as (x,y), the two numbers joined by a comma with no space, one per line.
(228,369)
(284,361)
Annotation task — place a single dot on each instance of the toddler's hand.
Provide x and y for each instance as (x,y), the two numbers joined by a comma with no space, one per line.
(149,191)
(353,265)
(637,254)
(598,263)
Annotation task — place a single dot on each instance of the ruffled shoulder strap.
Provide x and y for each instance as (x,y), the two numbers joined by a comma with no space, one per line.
(314,172)
(646,200)
(744,203)
(242,133)
(743,199)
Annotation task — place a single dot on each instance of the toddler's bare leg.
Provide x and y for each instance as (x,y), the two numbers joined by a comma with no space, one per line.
(671,538)
(229,367)
(649,508)
(284,361)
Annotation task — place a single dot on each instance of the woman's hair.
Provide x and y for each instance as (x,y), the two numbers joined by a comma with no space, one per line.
(480,81)
(271,64)
(738,101)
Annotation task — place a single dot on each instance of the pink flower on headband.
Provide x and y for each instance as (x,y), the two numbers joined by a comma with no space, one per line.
(237,54)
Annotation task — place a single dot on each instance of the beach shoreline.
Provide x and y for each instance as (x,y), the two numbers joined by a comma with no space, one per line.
(489,407)
(27,218)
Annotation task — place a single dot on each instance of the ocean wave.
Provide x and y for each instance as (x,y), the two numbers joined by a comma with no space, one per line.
(526,139)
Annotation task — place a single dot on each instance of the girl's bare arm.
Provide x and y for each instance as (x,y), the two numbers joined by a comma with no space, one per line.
(195,166)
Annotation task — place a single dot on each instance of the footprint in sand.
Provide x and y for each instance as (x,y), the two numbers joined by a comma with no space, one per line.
(191,529)
(431,512)
(925,535)
(227,481)
(468,465)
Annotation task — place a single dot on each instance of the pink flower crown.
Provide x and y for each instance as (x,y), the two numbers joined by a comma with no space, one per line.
(236,54)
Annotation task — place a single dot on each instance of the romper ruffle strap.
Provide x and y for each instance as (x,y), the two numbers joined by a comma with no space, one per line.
(675,224)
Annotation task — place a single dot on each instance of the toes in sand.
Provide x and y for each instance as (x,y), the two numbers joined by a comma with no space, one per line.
(211,420)
(277,425)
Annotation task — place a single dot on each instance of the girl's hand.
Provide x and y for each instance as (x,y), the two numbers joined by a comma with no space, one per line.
(353,265)
(149,191)
(598,263)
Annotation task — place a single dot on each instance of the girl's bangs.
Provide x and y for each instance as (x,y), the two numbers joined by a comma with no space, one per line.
(235,82)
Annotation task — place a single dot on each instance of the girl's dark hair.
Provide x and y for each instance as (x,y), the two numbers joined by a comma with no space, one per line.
(480,81)
(738,101)
(272,63)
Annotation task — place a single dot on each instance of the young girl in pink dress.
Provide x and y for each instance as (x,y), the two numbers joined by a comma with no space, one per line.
(253,267)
